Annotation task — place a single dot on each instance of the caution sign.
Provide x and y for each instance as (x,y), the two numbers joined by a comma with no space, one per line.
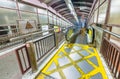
(28,25)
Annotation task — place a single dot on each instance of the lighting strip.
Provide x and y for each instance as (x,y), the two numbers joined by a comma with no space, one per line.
(72,10)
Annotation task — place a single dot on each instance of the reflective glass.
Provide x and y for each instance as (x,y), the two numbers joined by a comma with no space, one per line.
(30,16)
(8,4)
(42,11)
(49,13)
(26,7)
(43,19)
(8,16)
(50,20)
(102,13)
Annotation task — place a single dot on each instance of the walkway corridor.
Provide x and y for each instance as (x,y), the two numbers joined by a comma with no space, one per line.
(74,61)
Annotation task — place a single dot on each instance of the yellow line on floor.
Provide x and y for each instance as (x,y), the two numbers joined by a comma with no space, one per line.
(62,53)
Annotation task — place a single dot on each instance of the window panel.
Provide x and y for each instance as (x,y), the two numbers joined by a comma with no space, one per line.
(50,20)
(49,13)
(115,12)
(26,7)
(102,13)
(30,16)
(8,4)
(42,11)
(43,19)
(8,16)
(54,16)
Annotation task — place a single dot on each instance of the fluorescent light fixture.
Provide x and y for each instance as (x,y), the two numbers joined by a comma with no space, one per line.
(71,7)
(82,7)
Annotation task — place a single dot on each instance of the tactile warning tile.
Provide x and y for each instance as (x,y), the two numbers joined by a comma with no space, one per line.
(75,61)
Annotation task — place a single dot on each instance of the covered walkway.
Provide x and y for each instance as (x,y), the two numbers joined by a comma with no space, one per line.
(74,61)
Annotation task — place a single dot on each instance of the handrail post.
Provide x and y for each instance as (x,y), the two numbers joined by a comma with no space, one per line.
(32,58)
(56,39)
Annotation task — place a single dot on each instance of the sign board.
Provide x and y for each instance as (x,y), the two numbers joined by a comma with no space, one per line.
(26,26)
(45,28)
(57,29)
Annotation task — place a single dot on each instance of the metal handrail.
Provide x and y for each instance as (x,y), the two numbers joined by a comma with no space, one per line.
(23,36)
(26,34)
(114,34)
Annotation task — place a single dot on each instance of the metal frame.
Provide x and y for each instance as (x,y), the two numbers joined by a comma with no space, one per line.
(19,60)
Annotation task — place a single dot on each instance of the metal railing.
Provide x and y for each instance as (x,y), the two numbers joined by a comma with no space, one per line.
(23,59)
(20,38)
(111,53)
(44,45)
(111,33)
(41,46)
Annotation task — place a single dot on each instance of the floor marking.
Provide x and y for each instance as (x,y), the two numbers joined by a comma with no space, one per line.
(96,68)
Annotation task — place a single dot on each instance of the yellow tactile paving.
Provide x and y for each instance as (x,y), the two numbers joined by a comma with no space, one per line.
(81,58)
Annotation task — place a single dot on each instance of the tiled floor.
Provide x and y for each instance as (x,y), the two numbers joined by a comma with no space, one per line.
(74,61)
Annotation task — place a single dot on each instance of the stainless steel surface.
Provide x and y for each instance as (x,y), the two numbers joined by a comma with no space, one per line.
(63,61)
(94,60)
(68,50)
(52,66)
(75,56)
(91,50)
(56,75)
(97,76)
(77,47)
(85,66)
(71,73)
(61,53)
(84,53)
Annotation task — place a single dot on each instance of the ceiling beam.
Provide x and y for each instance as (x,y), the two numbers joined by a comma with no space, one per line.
(53,2)
(59,6)
(63,9)
(64,12)
(85,3)
(67,14)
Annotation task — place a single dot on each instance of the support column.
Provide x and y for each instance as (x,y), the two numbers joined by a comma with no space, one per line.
(32,58)
(56,39)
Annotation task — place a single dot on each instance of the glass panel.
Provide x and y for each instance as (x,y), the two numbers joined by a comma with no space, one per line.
(42,11)
(50,20)
(43,19)
(102,13)
(96,6)
(55,21)
(101,1)
(58,21)
(6,3)
(95,16)
(26,7)
(8,16)
(115,12)
(30,16)
(49,13)
(54,16)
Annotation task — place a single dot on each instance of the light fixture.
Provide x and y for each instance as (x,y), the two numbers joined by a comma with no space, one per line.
(72,10)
